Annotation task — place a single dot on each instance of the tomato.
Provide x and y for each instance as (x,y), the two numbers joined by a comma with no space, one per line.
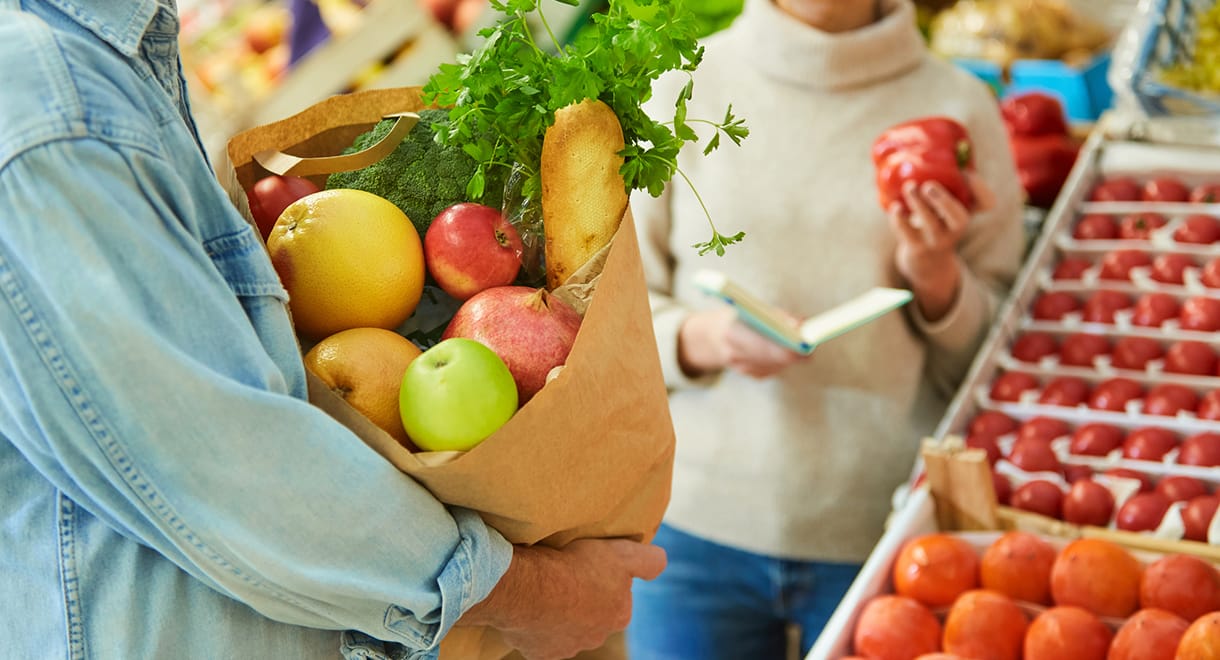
(1080,349)
(1066,391)
(1164,189)
(1142,512)
(1205,193)
(1209,406)
(1039,496)
(1198,229)
(1190,357)
(1071,268)
(988,444)
(1074,473)
(269,196)
(1003,488)
(1179,488)
(1171,268)
(1088,503)
(1140,226)
(1135,352)
(1149,443)
(1200,313)
(1033,346)
(1101,306)
(992,423)
(1054,305)
(1167,399)
(1116,189)
(1034,456)
(1153,309)
(1210,276)
(1010,385)
(1043,429)
(1114,393)
(1096,439)
(1197,516)
(1095,227)
(1117,265)
(1200,449)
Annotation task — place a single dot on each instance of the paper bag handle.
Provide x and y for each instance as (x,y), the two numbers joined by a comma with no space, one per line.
(278,162)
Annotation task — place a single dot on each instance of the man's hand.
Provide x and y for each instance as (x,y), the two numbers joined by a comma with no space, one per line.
(714,339)
(553,604)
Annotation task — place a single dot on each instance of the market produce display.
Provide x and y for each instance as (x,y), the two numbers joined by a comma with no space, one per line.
(1004,31)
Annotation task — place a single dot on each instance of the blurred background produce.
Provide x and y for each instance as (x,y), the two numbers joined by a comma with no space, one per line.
(1199,66)
(1004,31)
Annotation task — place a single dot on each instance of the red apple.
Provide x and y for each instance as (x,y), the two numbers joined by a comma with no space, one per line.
(1079,349)
(1150,443)
(1142,512)
(1153,309)
(1170,268)
(1201,229)
(1200,449)
(1190,357)
(1114,393)
(531,330)
(471,247)
(1179,488)
(1088,503)
(1116,189)
(1135,352)
(1033,346)
(1164,189)
(1101,306)
(1117,265)
(1071,268)
(1052,306)
(1167,399)
(1096,439)
(1200,313)
(1139,226)
(270,195)
(1094,227)
(1039,496)
(1197,516)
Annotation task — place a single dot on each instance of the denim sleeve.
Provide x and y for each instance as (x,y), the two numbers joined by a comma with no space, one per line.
(132,378)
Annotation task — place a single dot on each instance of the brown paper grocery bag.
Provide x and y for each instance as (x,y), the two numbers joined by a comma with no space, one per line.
(590,455)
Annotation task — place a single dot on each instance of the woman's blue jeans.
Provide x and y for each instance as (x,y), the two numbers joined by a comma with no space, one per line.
(714,602)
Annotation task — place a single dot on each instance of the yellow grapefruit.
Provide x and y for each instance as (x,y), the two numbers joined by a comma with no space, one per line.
(365,366)
(349,259)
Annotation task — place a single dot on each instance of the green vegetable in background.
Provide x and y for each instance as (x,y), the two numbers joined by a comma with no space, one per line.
(421,176)
(504,95)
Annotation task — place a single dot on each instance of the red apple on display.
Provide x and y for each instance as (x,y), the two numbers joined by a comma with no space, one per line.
(1096,439)
(1088,503)
(1080,349)
(1135,352)
(1009,386)
(270,195)
(1142,512)
(531,330)
(1168,399)
(1095,227)
(1054,305)
(1101,306)
(1209,406)
(1114,393)
(1200,449)
(1039,496)
(1200,313)
(1033,346)
(1197,516)
(1171,268)
(470,248)
(1034,456)
(1180,488)
(1071,268)
(1201,229)
(1150,443)
(1139,226)
(1164,189)
(1190,357)
(1066,391)
(1124,473)
(1116,189)
(455,395)
(1153,309)
(1043,429)
(992,423)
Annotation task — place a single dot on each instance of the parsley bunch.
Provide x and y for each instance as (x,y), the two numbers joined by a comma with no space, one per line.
(504,95)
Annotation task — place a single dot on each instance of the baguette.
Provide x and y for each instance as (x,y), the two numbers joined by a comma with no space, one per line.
(583,194)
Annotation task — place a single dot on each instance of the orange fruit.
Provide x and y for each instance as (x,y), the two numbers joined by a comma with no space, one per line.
(896,628)
(1182,584)
(985,625)
(1148,635)
(935,569)
(349,259)
(1202,639)
(1018,564)
(1098,575)
(364,366)
(1067,633)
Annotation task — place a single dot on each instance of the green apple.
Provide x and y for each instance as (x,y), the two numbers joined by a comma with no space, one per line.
(455,395)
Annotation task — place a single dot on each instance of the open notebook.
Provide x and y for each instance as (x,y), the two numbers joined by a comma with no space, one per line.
(805,336)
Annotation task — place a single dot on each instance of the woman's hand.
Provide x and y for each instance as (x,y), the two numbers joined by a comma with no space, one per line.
(714,339)
(928,235)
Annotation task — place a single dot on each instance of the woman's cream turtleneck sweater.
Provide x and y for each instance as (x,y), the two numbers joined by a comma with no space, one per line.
(803,465)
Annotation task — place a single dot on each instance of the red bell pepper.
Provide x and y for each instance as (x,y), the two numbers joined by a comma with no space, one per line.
(921,150)
(1033,113)
(1043,164)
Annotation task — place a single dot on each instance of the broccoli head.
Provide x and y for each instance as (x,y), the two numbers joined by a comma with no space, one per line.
(421,176)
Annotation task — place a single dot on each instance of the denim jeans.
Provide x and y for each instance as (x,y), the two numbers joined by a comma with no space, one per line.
(714,602)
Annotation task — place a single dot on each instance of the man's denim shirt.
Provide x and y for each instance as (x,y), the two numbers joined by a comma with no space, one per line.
(166,491)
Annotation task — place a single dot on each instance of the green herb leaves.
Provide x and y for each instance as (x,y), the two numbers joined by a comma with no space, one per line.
(504,95)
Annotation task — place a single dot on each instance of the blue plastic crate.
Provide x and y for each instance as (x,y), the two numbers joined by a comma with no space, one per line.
(1083,91)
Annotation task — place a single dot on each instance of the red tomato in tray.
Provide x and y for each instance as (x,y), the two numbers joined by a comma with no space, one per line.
(1205,193)
(1149,443)
(992,423)
(1039,496)
(1068,391)
(1167,399)
(1164,189)
(1088,503)
(1209,406)
(1197,516)
(1080,348)
(1101,306)
(1200,449)
(1033,346)
(1117,265)
(1074,473)
(1054,305)
(1116,189)
(1171,268)
(1095,227)
(1140,226)
(1071,268)
(1114,393)
(1135,352)
(989,446)
(1003,488)
(1043,429)
(1190,357)
(1200,313)
(1201,229)
(1096,439)
(1009,386)
(1153,309)
(1142,512)
(1125,473)
(1180,488)
(1210,276)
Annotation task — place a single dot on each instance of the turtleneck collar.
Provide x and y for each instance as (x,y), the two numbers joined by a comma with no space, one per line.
(782,47)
